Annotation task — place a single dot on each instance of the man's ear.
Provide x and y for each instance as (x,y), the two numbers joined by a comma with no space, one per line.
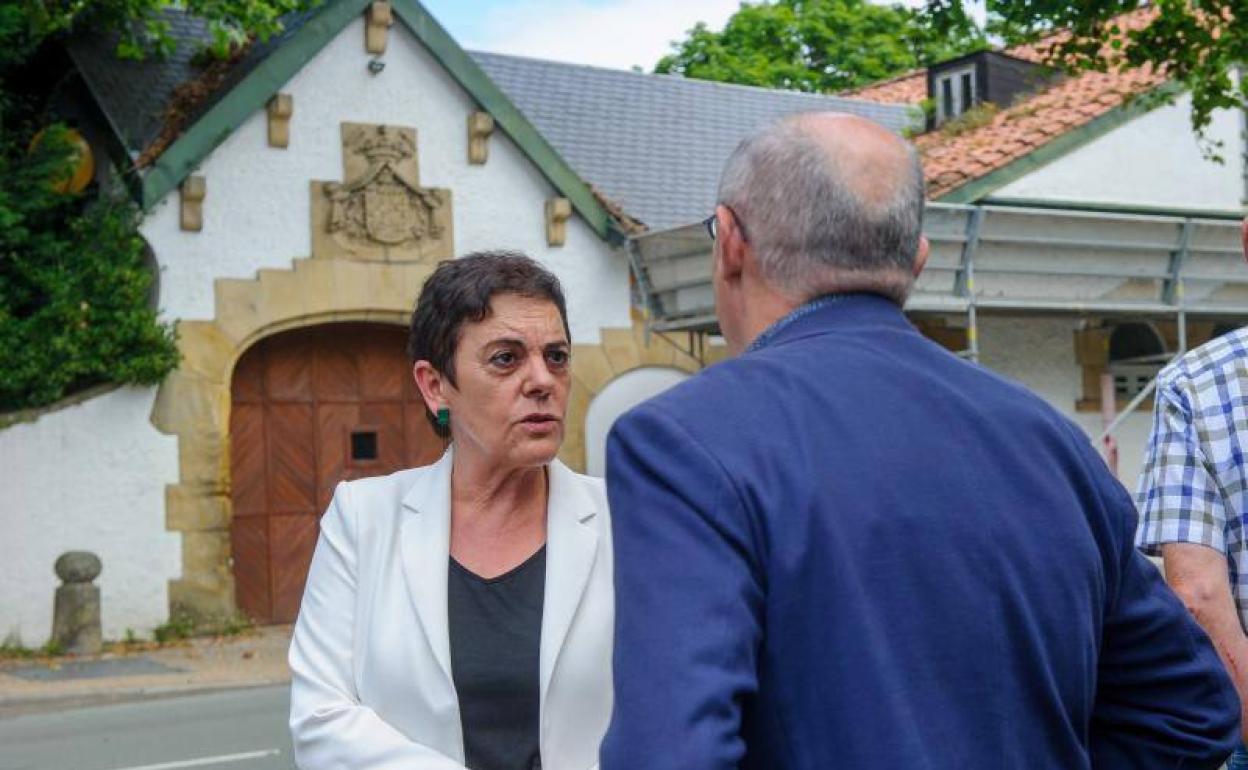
(432,385)
(732,245)
(920,259)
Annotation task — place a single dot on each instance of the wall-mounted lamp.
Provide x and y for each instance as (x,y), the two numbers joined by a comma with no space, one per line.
(376,65)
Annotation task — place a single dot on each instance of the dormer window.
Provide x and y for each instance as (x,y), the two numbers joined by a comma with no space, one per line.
(955,87)
(955,93)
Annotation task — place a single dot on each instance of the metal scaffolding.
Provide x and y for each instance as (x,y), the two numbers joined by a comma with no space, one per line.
(1007,259)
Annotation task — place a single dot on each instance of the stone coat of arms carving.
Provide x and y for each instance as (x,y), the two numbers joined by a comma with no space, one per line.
(380,212)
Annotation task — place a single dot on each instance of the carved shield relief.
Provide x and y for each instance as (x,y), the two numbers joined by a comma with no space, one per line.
(380,212)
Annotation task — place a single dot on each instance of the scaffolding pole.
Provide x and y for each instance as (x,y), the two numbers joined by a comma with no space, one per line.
(964,284)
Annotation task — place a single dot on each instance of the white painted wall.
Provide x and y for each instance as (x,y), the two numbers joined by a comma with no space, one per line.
(620,395)
(1039,353)
(89,477)
(256,213)
(93,476)
(1154,160)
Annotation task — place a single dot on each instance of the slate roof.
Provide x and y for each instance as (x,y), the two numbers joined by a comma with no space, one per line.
(135,95)
(652,145)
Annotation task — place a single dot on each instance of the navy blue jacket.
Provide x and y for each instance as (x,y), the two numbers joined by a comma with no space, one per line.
(851,550)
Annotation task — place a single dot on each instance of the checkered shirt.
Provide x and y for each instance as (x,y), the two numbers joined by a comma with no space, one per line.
(1194,487)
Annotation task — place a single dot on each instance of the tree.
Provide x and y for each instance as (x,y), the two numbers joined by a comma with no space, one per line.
(74,282)
(1199,44)
(819,45)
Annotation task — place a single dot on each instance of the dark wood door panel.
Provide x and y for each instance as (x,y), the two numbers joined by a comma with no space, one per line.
(334,423)
(335,377)
(288,369)
(249,548)
(298,398)
(247,384)
(292,451)
(247,460)
(292,540)
(387,421)
(383,367)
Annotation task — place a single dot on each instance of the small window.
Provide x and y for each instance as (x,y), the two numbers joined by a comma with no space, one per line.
(363,445)
(968,90)
(957,94)
(1136,354)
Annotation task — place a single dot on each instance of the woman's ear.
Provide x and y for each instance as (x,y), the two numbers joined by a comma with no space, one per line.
(432,385)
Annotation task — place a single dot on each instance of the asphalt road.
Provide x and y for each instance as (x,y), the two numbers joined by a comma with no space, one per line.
(233,730)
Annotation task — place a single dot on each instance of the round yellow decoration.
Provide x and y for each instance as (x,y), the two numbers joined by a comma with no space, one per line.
(83,159)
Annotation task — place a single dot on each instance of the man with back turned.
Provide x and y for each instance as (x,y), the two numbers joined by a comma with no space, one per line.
(847,548)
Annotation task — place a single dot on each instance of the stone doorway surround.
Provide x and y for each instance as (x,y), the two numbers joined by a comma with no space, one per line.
(193,402)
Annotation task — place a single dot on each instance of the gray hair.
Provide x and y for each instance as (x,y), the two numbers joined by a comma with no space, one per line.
(811,231)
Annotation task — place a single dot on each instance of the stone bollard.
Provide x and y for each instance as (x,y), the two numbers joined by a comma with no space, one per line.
(76,615)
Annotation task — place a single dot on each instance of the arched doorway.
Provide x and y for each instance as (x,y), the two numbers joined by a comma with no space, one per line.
(312,407)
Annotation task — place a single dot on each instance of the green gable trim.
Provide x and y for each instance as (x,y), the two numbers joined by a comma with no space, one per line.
(254,91)
(245,99)
(977,189)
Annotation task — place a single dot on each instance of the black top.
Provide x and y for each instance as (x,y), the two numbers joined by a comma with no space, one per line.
(496,635)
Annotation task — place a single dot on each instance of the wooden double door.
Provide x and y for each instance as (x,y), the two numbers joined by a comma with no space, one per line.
(310,408)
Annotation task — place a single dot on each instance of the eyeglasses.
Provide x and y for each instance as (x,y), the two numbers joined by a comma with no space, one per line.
(711,224)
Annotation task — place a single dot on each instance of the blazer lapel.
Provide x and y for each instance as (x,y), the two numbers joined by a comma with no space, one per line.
(571,548)
(425,535)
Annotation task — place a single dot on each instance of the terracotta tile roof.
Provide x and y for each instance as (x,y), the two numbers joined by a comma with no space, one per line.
(952,158)
(910,88)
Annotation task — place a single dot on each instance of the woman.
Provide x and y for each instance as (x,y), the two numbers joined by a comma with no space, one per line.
(460,615)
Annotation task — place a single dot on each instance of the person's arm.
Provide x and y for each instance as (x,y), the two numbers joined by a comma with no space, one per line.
(688,606)
(1199,577)
(329,727)
(1163,698)
(1184,519)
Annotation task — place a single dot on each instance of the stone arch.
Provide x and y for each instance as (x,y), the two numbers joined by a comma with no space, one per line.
(193,403)
(618,396)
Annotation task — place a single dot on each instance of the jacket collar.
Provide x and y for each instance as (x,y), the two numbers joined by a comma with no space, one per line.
(831,312)
(571,549)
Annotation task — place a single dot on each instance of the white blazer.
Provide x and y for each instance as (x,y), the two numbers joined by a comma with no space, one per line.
(371,654)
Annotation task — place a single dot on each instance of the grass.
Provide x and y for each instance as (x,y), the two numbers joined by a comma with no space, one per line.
(13,649)
(174,633)
(976,117)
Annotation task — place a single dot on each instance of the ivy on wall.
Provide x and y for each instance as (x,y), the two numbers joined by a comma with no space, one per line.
(74,283)
(74,278)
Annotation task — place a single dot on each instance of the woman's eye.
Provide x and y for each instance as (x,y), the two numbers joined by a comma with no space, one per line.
(503,359)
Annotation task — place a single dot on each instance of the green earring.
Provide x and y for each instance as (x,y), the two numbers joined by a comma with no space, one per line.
(444,417)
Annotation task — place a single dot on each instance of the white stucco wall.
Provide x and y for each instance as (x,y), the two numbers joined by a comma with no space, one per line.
(1153,160)
(89,477)
(256,213)
(1039,352)
(620,395)
(93,476)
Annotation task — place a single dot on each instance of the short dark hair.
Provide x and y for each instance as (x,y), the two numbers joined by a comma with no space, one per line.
(459,291)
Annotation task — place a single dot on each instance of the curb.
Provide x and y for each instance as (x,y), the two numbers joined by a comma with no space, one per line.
(11,707)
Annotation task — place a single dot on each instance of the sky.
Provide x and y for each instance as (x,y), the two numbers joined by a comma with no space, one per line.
(608,33)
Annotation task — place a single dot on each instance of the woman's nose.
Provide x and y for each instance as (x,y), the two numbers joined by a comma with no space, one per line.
(540,380)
